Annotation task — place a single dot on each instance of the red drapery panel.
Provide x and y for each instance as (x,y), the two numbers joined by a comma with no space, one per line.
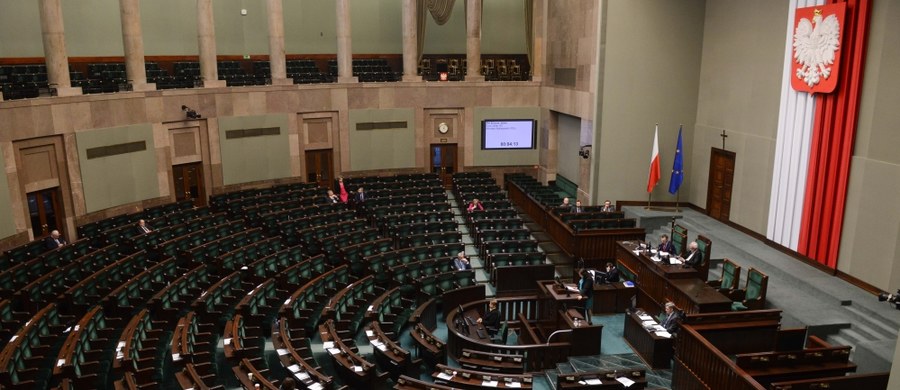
(832,144)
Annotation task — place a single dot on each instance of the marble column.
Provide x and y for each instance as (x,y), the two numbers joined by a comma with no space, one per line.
(133,41)
(538,40)
(344,46)
(206,39)
(54,38)
(410,46)
(473,41)
(277,64)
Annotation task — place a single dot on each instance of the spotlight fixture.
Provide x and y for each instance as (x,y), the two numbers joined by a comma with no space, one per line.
(190,113)
(585,152)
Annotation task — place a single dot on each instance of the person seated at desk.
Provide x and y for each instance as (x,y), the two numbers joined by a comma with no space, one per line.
(461,262)
(612,273)
(608,207)
(672,320)
(475,205)
(666,246)
(578,207)
(360,197)
(142,227)
(331,198)
(694,257)
(491,319)
(54,240)
(586,293)
(566,204)
(288,384)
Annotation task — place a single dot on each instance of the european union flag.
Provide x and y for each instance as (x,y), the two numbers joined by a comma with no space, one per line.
(677,167)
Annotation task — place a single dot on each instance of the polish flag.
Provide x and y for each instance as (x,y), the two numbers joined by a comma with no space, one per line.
(654,162)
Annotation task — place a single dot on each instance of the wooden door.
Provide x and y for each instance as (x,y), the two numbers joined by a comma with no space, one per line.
(443,162)
(320,167)
(189,183)
(45,211)
(721,177)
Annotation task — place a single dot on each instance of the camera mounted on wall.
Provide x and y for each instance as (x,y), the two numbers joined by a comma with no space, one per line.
(585,152)
(891,298)
(190,113)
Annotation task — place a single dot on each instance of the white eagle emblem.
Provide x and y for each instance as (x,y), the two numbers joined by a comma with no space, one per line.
(815,43)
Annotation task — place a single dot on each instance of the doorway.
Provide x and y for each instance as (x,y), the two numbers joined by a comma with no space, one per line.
(319,167)
(721,178)
(443,162)
(188,179)
(45,211)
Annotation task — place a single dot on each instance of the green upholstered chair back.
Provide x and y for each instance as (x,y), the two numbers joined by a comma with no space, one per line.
(679,238)
(625,273)
(728,274)
(755,282)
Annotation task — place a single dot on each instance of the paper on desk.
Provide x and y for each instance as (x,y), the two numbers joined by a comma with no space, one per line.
(490,383)
(334,351)
(662,333)
(316,386)
(637,253)
(648,323)
(625,381)
(328,344)
(593,382)
(294,368)
(370,333)
(660,328)
(513,384)
(302,376)
(675,261)
(645,317)
(381,347)
(282,351)
(445,376)
(357,369)
(572,288)
(656,259)
(663,254)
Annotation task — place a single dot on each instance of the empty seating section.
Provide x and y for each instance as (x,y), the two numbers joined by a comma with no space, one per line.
(544,195)
(500,234)
(493,67)
(194,302)
(368,70)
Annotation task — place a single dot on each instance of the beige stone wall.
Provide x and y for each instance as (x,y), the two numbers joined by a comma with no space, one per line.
(296,105)
(740,87)
(651,70)
(870,241)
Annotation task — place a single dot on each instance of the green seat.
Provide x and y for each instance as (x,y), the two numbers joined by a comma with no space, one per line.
(754,293)
(502,334)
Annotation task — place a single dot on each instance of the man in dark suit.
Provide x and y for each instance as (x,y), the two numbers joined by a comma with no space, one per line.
(142,227)
(586,293)
(491,319)
(608,207)
(672,320)
(578,207)
(360,196)
(665,245)
(461,262)
(694,257)
(612,273)
(54,240)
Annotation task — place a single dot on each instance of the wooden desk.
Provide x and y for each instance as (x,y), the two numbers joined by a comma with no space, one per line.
(658,282)
(656,351)
(491,362)
(606,379)
(608,298)
(595,246)
(472,379)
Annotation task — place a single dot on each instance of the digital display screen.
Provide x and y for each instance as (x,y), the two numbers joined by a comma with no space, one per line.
(508,134)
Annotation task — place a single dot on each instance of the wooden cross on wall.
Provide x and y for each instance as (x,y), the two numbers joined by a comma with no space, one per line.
(723,135)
